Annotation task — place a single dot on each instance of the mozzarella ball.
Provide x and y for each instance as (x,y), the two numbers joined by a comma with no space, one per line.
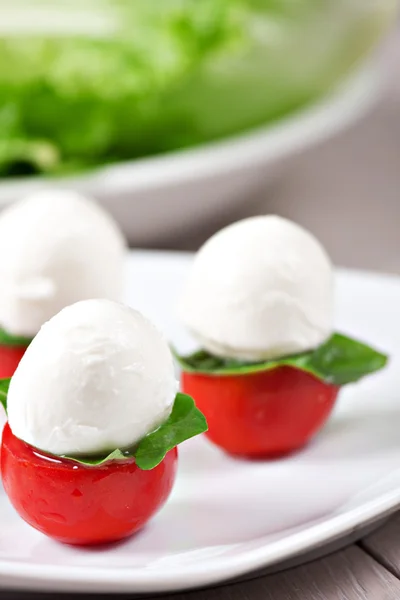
(261,288)
(98,376)
(56,248)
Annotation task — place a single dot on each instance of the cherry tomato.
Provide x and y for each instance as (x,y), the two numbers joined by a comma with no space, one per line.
(266,414)
(9,359)
(78,504)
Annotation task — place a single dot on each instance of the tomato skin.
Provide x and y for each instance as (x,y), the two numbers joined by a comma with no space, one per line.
(262,415)
(82,505)
(9,359)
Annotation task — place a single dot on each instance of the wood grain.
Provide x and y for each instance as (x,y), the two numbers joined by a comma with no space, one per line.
(347,575)
(384,545)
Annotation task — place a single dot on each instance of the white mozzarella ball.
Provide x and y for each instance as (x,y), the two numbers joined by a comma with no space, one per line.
(258,289)
(98,376)
(56,248)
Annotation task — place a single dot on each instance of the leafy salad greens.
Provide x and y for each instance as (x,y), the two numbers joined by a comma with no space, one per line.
(129,78)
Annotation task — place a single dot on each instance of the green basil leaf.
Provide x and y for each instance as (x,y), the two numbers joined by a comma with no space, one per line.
(7,339)
(184,422)
(340,360)
(4,385)
(95,461)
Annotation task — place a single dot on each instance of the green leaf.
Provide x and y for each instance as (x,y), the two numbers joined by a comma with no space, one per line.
(7,339)
(340,360)
(95,461)
(343,360)
(184,422)
(4,385)
(174,78)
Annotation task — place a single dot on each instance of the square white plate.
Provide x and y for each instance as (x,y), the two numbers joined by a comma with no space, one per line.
(227,517)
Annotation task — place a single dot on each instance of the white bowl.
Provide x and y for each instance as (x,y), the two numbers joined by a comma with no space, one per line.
(154,198)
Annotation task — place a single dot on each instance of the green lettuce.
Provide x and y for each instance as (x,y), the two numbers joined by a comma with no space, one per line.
(159,75)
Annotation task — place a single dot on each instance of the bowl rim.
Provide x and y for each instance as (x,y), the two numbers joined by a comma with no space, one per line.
(263,145)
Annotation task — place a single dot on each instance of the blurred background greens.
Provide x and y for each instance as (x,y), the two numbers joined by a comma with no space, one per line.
(88,82)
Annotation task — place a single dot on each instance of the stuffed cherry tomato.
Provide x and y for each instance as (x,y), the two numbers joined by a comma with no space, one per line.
(81,504)
(265,414)
(259,301)
(89,452)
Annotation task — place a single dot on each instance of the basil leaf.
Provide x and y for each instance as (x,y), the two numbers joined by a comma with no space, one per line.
(7,339)
(95,461)
(184,422)
(4,385)
(340,360)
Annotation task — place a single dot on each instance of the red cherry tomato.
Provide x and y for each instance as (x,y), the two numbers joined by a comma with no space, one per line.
(264,414)
(9,359)
(82,505)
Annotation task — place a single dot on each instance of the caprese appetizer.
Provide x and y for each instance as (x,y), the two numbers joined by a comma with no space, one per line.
(56,248)
(94,418)
(259,301)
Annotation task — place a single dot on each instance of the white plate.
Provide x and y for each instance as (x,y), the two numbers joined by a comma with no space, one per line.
(157,197)
(227,517)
